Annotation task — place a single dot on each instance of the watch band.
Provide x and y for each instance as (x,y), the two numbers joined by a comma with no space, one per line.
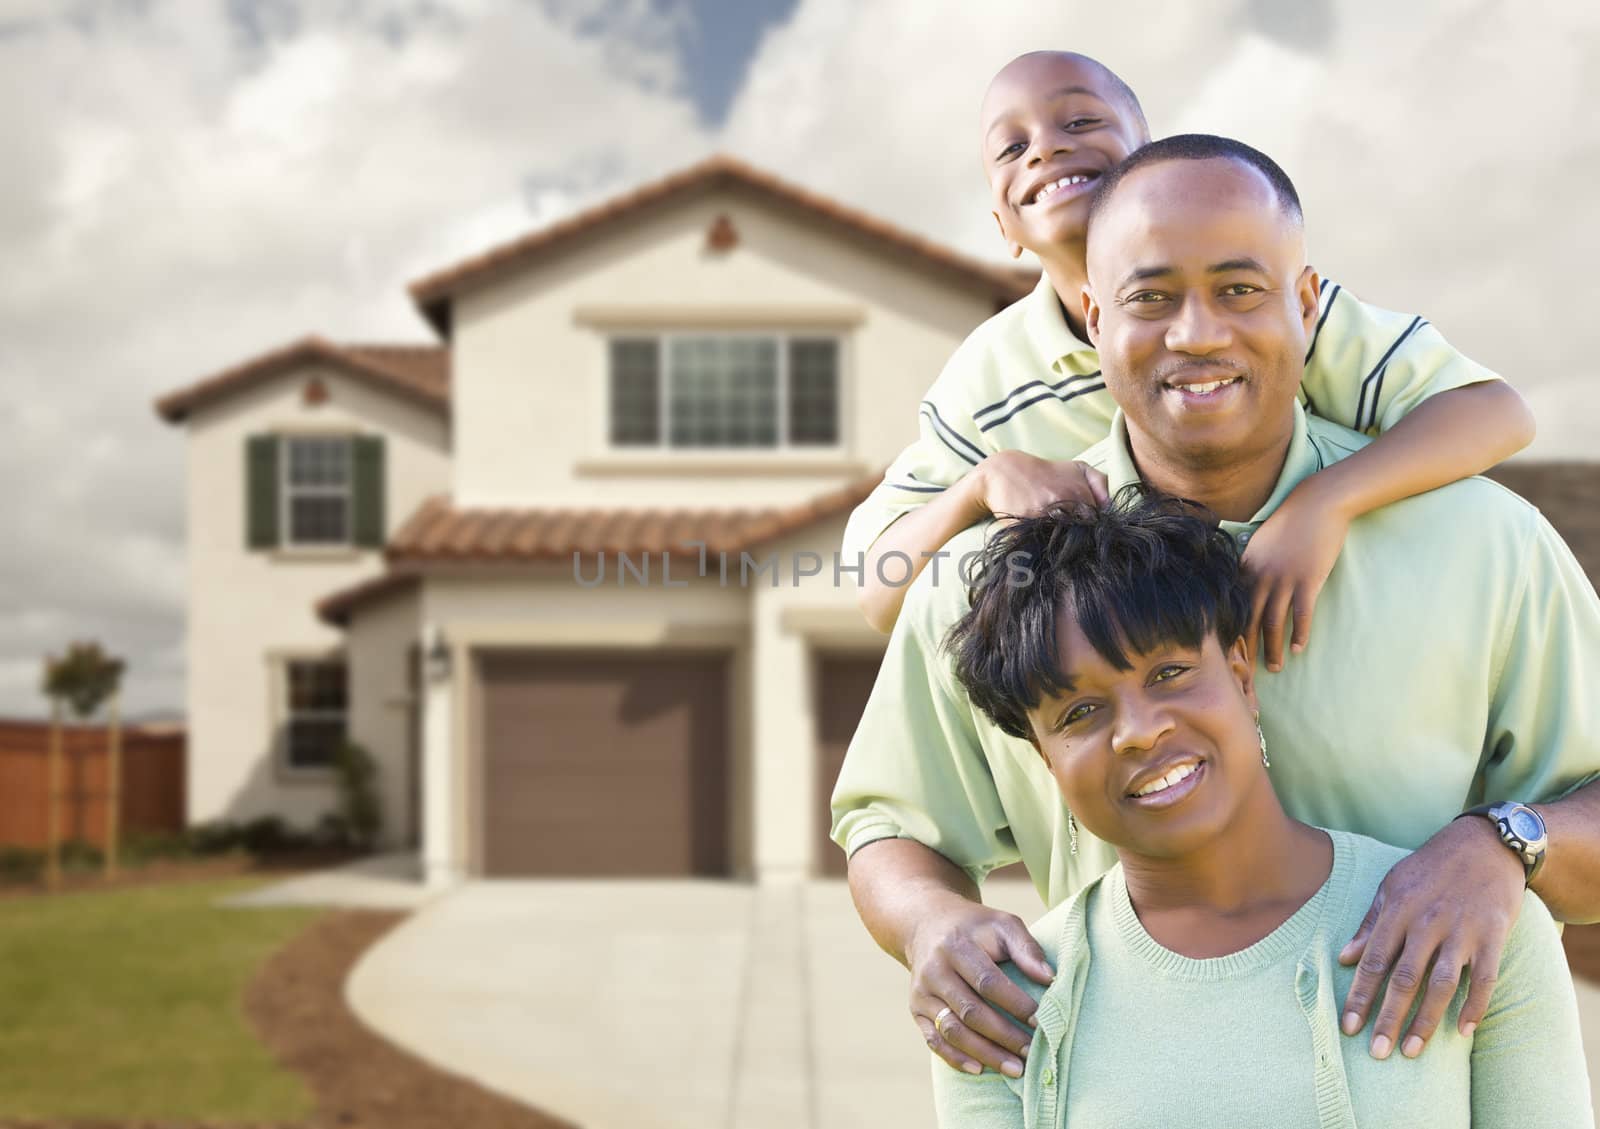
(1532,860)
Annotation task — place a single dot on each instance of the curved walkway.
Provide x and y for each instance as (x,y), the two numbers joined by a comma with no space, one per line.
(658,1005)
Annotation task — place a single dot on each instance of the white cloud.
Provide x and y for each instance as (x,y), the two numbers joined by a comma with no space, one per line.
(182,191)
(189,182)
(1446,154)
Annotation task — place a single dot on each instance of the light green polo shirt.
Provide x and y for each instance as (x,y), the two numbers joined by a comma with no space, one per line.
(1135,1036)
(1022,381)
(1455,660)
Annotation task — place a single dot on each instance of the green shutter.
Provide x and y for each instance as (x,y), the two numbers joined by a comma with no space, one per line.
(261,492)
(367,494)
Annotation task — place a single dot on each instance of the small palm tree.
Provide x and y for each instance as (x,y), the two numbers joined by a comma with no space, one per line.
(83,679)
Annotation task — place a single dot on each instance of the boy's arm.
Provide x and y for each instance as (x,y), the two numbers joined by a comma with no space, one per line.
(1442,417)
(1450,436)
(1010,483)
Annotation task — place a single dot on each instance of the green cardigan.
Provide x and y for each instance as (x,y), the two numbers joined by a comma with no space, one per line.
(1131,1034)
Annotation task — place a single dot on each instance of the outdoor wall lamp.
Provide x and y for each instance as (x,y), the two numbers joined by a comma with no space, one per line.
(438,658)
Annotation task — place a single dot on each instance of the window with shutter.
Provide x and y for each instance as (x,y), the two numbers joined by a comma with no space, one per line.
(261,490)
(703,391)
(367,470)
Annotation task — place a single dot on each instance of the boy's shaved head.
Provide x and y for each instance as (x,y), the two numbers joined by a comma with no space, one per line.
(1038,62)
(1053,123)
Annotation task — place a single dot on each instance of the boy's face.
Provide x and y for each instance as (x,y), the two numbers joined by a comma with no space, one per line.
(1047,117)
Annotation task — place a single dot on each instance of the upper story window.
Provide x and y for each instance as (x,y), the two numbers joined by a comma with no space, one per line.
(729,391)
(316,490)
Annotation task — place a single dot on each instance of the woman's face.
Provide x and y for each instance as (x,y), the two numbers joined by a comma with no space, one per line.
(1157,759)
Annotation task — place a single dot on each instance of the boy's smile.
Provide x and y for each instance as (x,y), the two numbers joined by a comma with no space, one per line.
(1053,124)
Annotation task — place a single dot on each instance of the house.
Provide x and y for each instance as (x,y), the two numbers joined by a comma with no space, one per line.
(570,574)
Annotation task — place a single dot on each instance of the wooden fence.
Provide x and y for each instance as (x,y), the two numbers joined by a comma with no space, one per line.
(153,782)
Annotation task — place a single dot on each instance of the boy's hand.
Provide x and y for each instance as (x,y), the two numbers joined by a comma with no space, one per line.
(1290,558)
(1017,484)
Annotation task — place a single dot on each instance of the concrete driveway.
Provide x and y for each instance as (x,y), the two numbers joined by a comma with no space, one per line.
(635,1005)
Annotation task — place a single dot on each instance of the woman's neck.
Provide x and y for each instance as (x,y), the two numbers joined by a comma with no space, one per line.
(1236,888)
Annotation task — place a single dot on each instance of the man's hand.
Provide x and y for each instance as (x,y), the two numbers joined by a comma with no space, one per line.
(1290,558)
(1016,484)
(953,957)
(1448,907)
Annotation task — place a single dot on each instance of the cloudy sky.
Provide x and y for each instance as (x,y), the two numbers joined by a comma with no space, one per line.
(188,182)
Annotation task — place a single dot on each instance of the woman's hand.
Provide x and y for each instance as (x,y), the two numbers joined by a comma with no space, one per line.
(953,957)
(1017,484)
(1290,558)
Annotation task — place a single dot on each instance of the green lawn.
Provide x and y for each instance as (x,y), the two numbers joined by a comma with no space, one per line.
(127,1004)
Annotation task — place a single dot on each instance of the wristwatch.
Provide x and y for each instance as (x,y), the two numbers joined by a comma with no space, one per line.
(1521,828)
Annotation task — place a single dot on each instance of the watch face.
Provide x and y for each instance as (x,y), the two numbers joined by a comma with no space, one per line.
(1526,825)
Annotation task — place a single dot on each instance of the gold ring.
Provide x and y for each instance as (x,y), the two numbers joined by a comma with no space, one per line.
(938,1020)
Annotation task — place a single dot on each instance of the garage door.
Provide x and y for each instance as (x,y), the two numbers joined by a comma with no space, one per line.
(843,682)
(604,764)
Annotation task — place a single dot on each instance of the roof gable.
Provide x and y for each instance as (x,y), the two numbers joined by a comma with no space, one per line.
(435,293)
(419,373)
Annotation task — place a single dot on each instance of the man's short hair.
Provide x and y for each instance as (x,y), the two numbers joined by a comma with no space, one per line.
(1147,571)
(1197,147)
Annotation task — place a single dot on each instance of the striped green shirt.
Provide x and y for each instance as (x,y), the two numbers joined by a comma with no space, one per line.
(1022,381)
(1454,660)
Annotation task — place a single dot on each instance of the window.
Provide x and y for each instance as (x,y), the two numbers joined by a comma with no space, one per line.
(316,490)
(729,391)
(318,701)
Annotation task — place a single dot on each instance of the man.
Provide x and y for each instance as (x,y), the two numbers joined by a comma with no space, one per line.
(1462,646)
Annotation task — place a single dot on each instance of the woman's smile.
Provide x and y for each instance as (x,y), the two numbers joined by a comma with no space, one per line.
(1175,786)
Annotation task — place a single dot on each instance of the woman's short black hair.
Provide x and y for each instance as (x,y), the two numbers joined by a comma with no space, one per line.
(1148,570)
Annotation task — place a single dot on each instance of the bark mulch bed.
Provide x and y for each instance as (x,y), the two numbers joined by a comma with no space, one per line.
(358,1080)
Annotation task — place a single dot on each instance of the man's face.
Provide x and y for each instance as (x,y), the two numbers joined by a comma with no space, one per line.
(1049,117)
(1200,302)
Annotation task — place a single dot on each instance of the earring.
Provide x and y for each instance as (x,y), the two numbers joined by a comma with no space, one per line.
(1263,738)
(1072,834)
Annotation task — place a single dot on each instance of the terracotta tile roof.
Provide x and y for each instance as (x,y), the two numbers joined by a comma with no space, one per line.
(420,373)
(439,533)
(433,293)
(335,609)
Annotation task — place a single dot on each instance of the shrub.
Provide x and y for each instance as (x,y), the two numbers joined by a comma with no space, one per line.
(359,805)
(20,864)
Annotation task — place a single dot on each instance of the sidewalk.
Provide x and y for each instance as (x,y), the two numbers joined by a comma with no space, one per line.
(664,1005)
(660,1005)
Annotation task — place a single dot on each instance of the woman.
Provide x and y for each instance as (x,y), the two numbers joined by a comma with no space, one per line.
(1197,982)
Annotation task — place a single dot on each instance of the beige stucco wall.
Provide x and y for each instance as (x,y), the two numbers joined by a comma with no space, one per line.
(790,623)
(249,610)
(770,630)
(530,355)
(378,646)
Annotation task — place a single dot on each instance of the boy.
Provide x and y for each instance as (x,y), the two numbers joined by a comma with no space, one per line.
(1022,395)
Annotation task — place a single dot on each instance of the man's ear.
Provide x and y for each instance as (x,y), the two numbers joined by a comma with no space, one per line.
(1243,670)
(1014,248)
(1309,292)
(1091,315)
